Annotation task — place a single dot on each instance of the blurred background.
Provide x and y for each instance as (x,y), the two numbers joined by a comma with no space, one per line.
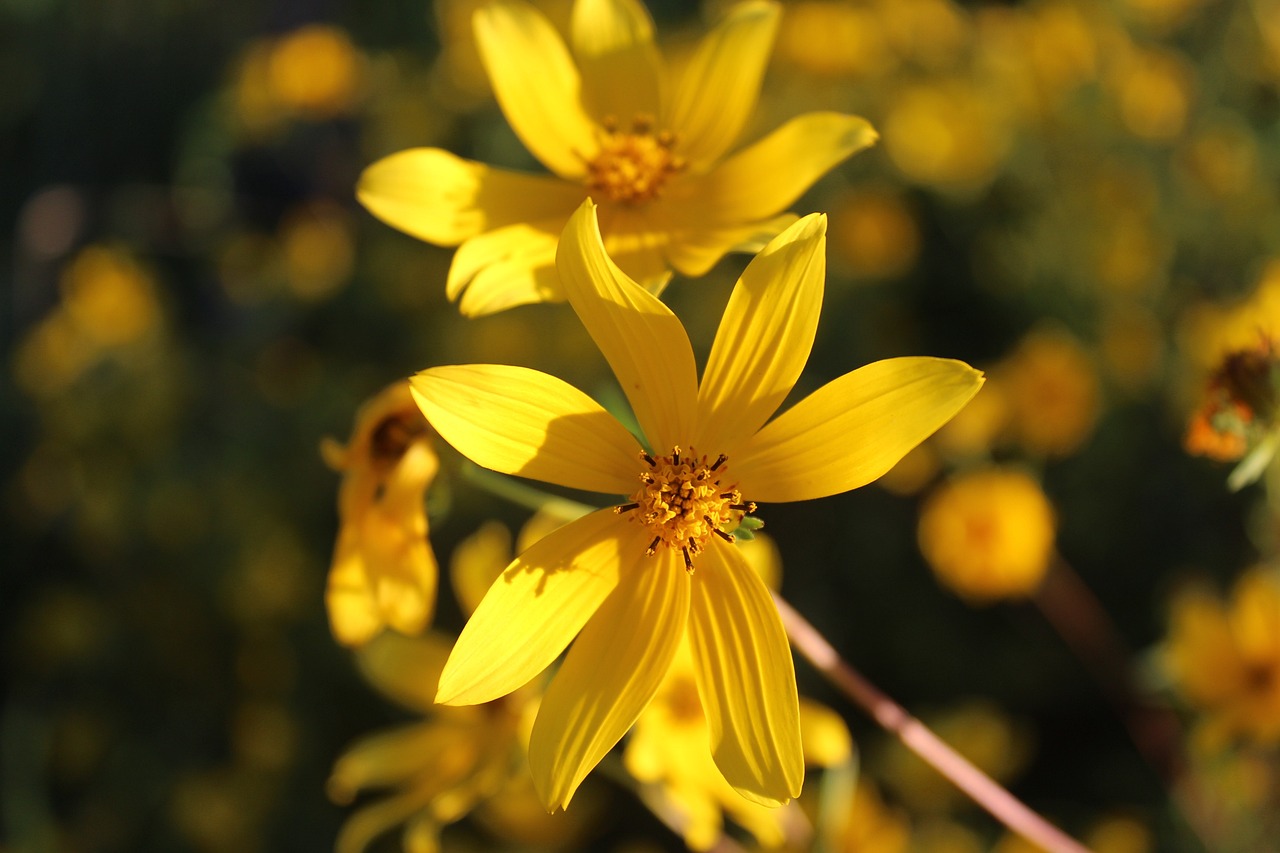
(1079,197)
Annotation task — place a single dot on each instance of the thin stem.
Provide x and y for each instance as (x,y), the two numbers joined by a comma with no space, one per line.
(917,737)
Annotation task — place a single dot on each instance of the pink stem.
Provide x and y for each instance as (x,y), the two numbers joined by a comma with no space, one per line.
(917,737)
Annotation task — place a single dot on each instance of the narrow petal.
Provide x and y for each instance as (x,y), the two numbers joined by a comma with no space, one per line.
(537,606)
(717,93)
(613,43)
(854,429)
(354,617)
(694,251)
(746,679)
(764,179)
(537,84)
(440,198)
(764,338)
(509,266)
(520,421)
(642,340)
(366,824)
(609,675)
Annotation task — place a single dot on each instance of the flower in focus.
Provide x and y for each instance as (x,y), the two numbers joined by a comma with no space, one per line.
(1225,660)
(1238,412)
(608,126)
(668,751)
(988,535)
(631,578)
(383,572)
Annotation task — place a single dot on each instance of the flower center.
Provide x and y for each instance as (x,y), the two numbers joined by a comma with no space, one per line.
(632,166)
(683,504)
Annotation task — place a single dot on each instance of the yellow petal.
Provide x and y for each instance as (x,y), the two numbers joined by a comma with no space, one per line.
(717,93)
(521,421)
(354,617)
(507,267)
(609,675)
(745,679)
(1255,617)
(1201,653)
(443,199)
(536,83)
(694,251)
(387,758)
(613,43)
(405,669)
(826,737)
(477,561)
(366,824)
(642,340)
(852,430)
(764,338)
(767,177)
(537,606)
(638,248)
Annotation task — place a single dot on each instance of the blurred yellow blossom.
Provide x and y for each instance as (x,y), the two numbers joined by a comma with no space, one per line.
(833,38)
(988,534)
(651,156)
(946,134)
(108,302)
(1154,89)
(874,233)
(874,827)
(1210,331)
(315,70)
(1225,658)
(1052,390)
(383,572)
(708,443)
(441,768)
(669,750)
(980,731)
(318,251)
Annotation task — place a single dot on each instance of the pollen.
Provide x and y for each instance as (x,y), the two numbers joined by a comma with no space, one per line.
(683,502)
(632,166)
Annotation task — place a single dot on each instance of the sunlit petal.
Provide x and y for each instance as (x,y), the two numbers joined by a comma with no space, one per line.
(443,199)
(353,614)
(521,421)
(694,251)
(717,93)
(537,606)
(536,83)
(854,429)
(620,67)
(764,338)
(636,245)
(609,675)
(643,341)
(764,179)
(746,679)
(509,266)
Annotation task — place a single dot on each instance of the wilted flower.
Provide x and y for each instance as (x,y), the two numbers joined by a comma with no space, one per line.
(636,575)
(383,572)
(608,126)
(1238,412)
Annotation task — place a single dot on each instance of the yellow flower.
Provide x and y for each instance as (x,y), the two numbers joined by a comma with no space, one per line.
(668,750)
(628,573)
(436,770)
(988,535)
(383,572)
(608,125)
(1226,660)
